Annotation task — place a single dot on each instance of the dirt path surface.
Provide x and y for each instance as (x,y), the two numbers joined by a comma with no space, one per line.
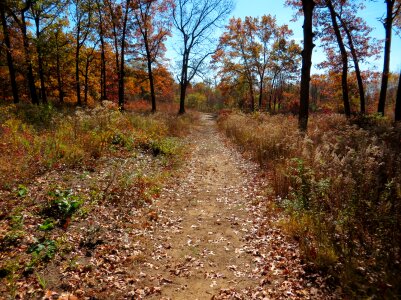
(212,238)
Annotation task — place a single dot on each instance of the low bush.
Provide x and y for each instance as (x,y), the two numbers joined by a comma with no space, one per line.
(341,188)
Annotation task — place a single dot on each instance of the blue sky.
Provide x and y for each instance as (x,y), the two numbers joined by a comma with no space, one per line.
(373,11)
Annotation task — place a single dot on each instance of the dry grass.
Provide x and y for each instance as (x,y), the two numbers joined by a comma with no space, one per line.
(341,188)
(36,139)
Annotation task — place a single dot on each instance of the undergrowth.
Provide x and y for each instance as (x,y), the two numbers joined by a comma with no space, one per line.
(34,139)
(340,186)
(59,167)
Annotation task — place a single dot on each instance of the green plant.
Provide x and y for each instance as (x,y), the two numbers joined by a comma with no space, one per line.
(62,205)
(41,251)
(41,280)
(47,225)
(22,191)
(165,146)
(16,221)
(45,249)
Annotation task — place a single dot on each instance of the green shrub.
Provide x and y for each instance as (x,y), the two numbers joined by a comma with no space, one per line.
(61,205)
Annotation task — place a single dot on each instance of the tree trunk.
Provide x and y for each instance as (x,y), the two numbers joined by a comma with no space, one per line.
(86,81)
(40,62)
(357,69)
(397,116)
(121,95)
(261,93)
(31,78)
(344,59)
(77,79)
(252,95)
(103,81)
(183,82)
(58,71)
(150,74)
(183,89)
(388,25)
(10,61)
(152,86)
(308,7)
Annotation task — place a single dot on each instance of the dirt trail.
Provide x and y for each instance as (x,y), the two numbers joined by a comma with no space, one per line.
(211,239)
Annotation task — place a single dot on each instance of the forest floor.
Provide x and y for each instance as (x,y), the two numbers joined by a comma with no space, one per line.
(209,233)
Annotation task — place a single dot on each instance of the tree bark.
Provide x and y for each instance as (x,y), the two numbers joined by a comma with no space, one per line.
(388,25)
(307,7)
(397,116)
(344,59)
(183,89)
(10,61)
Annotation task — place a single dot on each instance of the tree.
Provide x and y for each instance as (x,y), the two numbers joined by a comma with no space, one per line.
(257,50)
(307,8)
(44,13)
(392,11)
(344,57)
(18,12)
(83,17)
(119,14)
(10,61)
(237,49)
(196,21)
(153,25)
(100,7)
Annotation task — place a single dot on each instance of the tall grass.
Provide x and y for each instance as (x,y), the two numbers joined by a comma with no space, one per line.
(341,188)
(34,139)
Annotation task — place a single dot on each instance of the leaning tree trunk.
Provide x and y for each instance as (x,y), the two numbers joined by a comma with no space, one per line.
(10,61)
(356,65)
(307,7)
(344,59)
(388,24)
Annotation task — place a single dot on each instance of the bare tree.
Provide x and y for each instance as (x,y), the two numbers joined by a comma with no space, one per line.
(196,21)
